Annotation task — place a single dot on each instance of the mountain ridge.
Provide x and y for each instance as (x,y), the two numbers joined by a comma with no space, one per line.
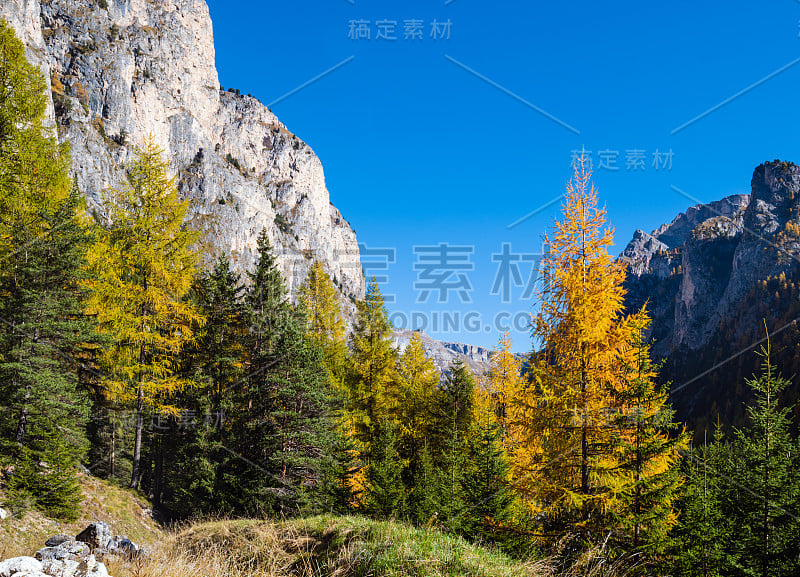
(711,290)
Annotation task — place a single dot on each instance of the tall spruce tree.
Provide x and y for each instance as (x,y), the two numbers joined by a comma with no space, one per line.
(340,465)
(300,418)
(385,494)
(215,362)
(766,485)
(487,494)
(282,414)
(45,333)
(453,416)
(425,488)
(42,246)
(318,303)
(697,546)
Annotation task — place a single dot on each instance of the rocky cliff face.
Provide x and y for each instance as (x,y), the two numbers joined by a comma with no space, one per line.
(713,277)
(123,70)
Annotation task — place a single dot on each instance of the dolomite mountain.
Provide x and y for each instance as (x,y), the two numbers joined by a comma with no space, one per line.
(712,278)
(478,359)
(123,70)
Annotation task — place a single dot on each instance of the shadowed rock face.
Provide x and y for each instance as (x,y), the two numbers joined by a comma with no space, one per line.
(712,255)
(704,274)
(142,68)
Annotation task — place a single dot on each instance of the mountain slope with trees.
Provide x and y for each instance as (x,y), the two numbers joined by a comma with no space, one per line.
(715,280)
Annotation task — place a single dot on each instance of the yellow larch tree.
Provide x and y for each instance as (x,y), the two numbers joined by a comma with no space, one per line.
(418,384)
(370,382)
(564,462)
(142,266)
(504,381)
(319,302)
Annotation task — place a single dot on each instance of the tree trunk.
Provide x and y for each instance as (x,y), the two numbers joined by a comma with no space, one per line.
(158,474)
(113,456)
(137,446)
(23,421)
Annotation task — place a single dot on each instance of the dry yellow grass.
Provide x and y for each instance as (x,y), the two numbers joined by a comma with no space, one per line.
(322,546)
(319,546)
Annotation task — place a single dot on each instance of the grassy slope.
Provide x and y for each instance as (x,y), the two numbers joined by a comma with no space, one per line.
(317,546)
(341,546)
(126,512)
(322,546)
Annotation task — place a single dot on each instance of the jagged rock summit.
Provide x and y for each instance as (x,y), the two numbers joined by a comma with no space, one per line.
(123,70)
(643,247)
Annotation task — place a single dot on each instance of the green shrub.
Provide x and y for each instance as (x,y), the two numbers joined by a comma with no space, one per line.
(232,160)
(282,224)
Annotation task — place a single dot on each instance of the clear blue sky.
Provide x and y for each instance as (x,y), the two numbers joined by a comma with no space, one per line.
(419,151)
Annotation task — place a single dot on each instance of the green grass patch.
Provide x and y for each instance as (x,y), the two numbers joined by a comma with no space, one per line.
(326,546)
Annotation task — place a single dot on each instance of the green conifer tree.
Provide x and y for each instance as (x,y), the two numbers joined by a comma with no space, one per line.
(43,337)
(215,362)
(487,496)
(282,412)
(42,245)
(453,417)
(386,495)
(426,488)
(647,443)
(767,484)
(339,465)
(697,545)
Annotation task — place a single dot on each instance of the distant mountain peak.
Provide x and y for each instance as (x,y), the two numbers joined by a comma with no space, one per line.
(444,354)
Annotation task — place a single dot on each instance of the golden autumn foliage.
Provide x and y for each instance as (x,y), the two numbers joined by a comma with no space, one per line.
(563,460)
(504,381)
(418,384)
(318,301)
(142,266)
(34,167)
(371,379)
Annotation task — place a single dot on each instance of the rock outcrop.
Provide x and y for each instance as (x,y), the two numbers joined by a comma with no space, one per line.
(710,257)
(21,567)
(63,556)
(125,70)
(70,559)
